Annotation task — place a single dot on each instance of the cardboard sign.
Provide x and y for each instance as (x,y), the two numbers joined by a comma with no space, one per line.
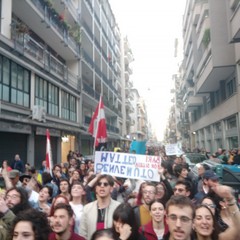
(127,165)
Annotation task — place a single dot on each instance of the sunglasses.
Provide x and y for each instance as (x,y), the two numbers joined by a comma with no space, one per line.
(178,189)
(105,184)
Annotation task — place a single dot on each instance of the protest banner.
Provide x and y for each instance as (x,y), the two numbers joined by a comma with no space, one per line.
(173,149)
(127,165)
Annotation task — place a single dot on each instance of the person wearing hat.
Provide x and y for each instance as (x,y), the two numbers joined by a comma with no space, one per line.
(14,178)
(24,179)
(210,180)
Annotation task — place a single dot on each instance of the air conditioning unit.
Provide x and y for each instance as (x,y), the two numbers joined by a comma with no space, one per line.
(39,113)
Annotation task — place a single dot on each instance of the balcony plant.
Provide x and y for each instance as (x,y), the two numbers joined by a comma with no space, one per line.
(206,37)
(49,3)
(75,32)
(20,27)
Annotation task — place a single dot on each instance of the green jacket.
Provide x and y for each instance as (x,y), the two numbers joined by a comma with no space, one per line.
(5,224)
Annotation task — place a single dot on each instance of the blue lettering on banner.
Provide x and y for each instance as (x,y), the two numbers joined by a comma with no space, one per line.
(129,171)
(128,165)
(104,157)
(136,172)
(117,158)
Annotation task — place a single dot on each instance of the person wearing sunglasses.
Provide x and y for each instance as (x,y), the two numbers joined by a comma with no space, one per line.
(182,187)
(99,213)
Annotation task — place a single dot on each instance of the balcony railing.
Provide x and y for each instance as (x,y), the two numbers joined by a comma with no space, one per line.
(112,128)
(87,58)
(52,18)
(72,8)
(88,30)
(88,89)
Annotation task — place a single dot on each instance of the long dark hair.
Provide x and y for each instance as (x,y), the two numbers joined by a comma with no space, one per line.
(24,203)
(102,233)
(215,232)
(125,214)
(37,219)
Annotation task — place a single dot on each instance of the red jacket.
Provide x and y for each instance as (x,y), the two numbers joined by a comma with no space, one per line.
(148,232)
(74,236)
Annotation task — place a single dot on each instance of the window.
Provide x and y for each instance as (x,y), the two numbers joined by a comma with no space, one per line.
(14,82)
(231,87)
(20,85)
(47,95)
(231,123)
(69,107)
(53,99)
(233,142)
(216,98)
(218,127)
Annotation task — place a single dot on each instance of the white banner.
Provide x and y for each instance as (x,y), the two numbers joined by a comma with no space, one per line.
(127,165)
(173,149)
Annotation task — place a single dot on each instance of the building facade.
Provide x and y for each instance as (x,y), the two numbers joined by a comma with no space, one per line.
(56,59)
(210,80)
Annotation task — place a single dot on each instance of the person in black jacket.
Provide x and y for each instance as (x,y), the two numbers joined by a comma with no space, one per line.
(236,158)
(124,224)
(18,164)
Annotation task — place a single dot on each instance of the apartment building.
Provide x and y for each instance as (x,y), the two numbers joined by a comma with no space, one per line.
(139,128)
(56,58)
(210,81)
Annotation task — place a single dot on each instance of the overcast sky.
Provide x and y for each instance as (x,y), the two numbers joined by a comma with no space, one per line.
(152,27)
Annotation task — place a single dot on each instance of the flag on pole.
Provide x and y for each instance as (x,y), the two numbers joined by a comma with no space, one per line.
(49,163)
(97,126)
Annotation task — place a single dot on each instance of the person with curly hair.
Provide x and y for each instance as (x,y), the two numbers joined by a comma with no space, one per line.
(30,224)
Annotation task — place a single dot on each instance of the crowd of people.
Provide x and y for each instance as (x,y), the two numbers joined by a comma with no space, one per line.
(74,202)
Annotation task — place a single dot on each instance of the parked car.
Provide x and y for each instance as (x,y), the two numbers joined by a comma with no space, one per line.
(193,158)
(228,174)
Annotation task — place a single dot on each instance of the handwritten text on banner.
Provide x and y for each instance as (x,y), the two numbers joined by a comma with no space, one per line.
(126,165)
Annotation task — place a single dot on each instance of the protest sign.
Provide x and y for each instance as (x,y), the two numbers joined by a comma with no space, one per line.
(126,165)
(173,149)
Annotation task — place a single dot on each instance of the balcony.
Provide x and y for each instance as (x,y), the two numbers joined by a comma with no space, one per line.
(72,9)
(196,12)
(129,106)
(117,50)
(129,69)
(87,58)
(235,27)
(45,21)
(126,75)
(210,73)
(128,58)
(189,92)
(192,103)
(112,128)
(37,52)
(204,33)
(117,33)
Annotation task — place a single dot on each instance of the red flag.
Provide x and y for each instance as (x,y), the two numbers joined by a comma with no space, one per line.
(97,126)
(49,163)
